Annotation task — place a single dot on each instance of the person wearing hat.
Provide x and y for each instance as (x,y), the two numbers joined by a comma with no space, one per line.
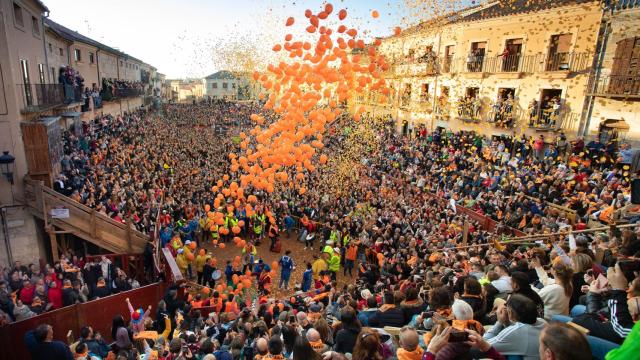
(181,261)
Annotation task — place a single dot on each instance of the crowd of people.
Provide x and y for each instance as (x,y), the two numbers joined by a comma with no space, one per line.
(27,291)
(114,88)
(418,265)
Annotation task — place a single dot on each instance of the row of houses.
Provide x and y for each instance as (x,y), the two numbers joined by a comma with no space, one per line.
(520,66)
(52,78)
(222,84)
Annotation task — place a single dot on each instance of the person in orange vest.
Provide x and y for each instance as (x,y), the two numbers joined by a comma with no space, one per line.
(197,302)
(231,307)
(350,258)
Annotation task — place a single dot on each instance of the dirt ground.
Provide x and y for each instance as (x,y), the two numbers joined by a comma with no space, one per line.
(298,253)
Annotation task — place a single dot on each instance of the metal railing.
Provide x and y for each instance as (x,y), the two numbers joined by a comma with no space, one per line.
(568,61)
(39,97)
(615,85)
(423,66)
(125,93)
(517,63)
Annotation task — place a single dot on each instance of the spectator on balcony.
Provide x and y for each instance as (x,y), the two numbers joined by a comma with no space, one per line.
(532,109)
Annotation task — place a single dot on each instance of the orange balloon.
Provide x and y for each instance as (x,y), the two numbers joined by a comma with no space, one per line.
(277,47)
(375,14)
(310,29)
(193,245)
(239,286)
(342,14)
(323,159)
(206,290)
(246,283)
(236,230)
(235,279)
(290,21)
(222,245)
(302,190)
(241,223)
(397,31)
(207,208)
(328,8)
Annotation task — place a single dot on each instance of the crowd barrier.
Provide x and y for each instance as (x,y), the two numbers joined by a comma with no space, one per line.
(96,313)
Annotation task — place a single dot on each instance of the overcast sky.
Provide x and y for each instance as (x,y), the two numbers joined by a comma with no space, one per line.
(182,38)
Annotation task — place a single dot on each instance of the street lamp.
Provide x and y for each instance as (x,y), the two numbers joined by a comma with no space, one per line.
(6,165)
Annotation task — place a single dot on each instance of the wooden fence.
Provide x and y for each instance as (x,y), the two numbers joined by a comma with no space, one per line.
(83,221)
(97,313)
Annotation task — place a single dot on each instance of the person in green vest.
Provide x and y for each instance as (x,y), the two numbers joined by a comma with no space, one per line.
(334,263)
(230,221)
(345,243)
(334,235)
(258,221)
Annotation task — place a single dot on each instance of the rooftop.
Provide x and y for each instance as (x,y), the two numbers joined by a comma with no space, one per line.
(71,35)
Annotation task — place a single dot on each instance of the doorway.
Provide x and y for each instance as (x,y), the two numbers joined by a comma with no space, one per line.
(472,92)
(559,48)
(476,56)
(550,102)
(449,53)
(511,55)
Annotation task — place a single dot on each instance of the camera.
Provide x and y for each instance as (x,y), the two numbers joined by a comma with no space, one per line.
(458,336)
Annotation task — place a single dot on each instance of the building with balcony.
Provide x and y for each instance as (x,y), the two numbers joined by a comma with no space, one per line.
(222,85)
(41,95)
(613,92)
(520,66)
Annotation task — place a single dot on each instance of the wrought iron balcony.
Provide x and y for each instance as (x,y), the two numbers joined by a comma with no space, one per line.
(40,97)
(615,86)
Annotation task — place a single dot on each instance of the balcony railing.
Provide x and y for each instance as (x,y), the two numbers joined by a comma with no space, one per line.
(126,93)
(517,63)
(615,86)
(40,97)
(423,66)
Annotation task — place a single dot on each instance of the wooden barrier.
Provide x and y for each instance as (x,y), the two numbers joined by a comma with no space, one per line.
(83,221)
(97,313)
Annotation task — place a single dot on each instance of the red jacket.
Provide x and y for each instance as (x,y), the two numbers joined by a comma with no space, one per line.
(55,297)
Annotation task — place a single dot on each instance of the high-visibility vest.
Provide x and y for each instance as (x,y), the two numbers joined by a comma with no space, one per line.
(345,240)
(334,235)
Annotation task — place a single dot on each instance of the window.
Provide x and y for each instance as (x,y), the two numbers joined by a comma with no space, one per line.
(91,59)
(120,62)
(41,73)
(214,85)
(53,74)
(61,50)
(17,15)
(77,55)
(35,25)
(24,68)
(225,85)
(50,49)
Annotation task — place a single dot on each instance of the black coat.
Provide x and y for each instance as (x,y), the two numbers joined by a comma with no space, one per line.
(389,317)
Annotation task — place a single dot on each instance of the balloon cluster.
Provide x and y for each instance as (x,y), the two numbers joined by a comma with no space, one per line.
(305,94)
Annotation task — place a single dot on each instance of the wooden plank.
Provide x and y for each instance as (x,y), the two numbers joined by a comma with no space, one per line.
(173,266)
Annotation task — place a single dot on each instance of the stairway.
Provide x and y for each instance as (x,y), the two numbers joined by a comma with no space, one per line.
(62,213)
